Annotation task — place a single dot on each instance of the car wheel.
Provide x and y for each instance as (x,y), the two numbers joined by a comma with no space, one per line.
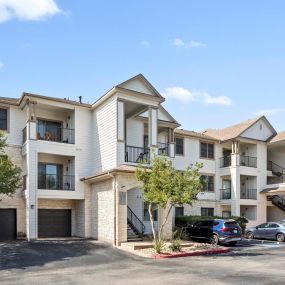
(232,243)
(249,235)
(280,237)
(214,239)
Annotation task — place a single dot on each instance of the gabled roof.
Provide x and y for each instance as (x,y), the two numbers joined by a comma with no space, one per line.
(194,134)
(9,101)
(235,130)
(279,137)
(143,80)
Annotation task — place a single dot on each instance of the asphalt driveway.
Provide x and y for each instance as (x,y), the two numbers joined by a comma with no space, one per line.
(91,262)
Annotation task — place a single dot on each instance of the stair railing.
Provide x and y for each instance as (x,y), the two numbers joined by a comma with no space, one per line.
(278,202)
(135,222)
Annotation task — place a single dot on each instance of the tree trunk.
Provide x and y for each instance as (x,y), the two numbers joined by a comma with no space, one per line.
(164,222)
(151,221)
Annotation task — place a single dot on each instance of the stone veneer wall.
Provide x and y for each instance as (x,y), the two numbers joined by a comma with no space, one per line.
(17,201)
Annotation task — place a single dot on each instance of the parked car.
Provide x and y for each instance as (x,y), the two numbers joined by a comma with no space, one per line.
(272,230)
(216,231)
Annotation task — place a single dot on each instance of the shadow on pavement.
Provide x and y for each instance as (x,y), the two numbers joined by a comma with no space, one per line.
(23,254)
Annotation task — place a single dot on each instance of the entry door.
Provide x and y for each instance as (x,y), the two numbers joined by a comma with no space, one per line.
(8,224)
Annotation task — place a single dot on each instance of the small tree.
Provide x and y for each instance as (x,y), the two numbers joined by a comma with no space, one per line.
(10,174)
(165,187)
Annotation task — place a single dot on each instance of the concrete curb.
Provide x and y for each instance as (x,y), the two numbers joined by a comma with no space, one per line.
(194,253)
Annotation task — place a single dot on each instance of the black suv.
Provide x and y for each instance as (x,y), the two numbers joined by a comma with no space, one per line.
(216,231)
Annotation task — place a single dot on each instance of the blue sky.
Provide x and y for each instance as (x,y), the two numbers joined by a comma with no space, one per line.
(217,62)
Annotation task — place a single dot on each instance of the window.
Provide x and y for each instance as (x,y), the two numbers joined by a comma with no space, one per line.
(207,150)
(179,211)
(273,225)
(179,146)
(50,176)
(3,119)
(49,131)
(207,212)
(146,217)
(209,183)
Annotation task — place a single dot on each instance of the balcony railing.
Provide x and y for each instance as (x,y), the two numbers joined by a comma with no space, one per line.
(57,134)
(248,194)
(136,154)
(225,161)
(24,134)
(226,194)
(163,149)
(248,161)
(56,182)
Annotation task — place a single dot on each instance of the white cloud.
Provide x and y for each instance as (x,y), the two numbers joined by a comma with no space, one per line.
(27,10)
(192,44)
(1,64)
(219,100)
(179,93)
(269,112)
(185,95)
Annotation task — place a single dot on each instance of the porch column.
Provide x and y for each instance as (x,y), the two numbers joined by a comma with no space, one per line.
(171,142)
(235,191)
(152,130)
(31,193)
(31,120)
(121,131)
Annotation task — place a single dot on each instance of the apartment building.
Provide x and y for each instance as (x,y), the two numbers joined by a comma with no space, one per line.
(79,162)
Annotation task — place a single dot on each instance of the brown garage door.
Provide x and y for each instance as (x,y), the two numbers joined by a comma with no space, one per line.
(8,224)
(54,223)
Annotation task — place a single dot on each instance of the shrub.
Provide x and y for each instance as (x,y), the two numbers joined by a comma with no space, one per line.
(159,246)
(185,221)
(176,245)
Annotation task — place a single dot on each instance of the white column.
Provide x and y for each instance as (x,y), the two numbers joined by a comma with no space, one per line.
(171,143)
(31,197)
(152,131)
(121,121)
(235,191)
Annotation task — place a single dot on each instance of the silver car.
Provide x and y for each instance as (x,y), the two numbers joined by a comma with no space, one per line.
(271,230)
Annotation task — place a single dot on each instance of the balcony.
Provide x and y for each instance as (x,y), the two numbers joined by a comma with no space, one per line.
(250,194)
(56,182)
(225,161)
(163,149)
(248,161)
(136,154)
(56,134)
(225,194)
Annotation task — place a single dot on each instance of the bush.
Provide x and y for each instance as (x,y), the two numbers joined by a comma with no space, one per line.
(185,221)
(176,245)
(159,246)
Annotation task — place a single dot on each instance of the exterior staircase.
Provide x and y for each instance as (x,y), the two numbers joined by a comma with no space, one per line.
(136,227)
(277,170)
(277,201)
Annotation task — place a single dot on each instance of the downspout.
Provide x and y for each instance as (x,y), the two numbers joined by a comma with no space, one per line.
(114,186)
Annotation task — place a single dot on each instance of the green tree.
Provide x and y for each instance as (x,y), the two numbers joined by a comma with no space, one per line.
(164,187)
(10,174)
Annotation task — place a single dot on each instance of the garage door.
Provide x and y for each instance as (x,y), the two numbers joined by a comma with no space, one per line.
(8,224)
(54,223)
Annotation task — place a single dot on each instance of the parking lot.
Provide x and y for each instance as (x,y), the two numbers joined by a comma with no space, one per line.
(91,262)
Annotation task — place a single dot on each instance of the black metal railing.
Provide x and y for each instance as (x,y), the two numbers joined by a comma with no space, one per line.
(137,154)
(248,161)
(56,182)
(278,202)
(275,168)
(135,222)
(225,161)
(163,149)
(226,194)
(57,134)
(24,134)
(248,194)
